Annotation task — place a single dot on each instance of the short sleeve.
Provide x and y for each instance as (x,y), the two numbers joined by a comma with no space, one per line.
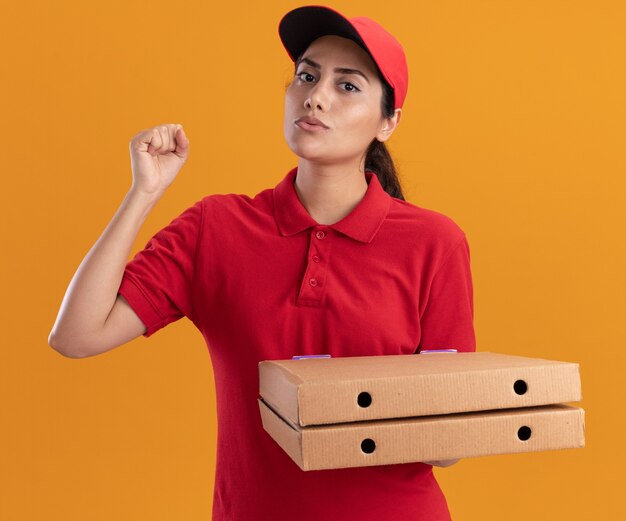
(157,282)
(447,321)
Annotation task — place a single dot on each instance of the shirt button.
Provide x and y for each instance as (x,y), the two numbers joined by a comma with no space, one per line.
(313,282)
(315,258)
(320,234)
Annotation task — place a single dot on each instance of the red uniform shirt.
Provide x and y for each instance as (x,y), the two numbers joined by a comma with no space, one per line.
(262,280)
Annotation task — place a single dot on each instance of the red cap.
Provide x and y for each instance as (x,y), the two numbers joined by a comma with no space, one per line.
(299,27)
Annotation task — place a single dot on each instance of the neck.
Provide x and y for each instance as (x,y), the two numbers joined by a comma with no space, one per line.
(329,192)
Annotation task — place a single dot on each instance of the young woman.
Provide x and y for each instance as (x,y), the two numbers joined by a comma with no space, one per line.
(331,260)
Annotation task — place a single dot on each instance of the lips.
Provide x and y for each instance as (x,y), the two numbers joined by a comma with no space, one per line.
(310,123)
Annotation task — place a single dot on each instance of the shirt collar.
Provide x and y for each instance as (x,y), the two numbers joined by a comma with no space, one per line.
(360,224)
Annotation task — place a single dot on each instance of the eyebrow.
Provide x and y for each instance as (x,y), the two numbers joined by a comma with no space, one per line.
(342,70)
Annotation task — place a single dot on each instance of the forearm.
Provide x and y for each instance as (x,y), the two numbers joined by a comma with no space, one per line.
(92,291)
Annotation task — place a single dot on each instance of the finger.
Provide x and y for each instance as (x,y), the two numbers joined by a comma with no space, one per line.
(182,143)
(154,142)
(165,136)
(173,131)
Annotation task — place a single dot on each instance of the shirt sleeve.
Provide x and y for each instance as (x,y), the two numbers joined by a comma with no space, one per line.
(447,321)
(158,281)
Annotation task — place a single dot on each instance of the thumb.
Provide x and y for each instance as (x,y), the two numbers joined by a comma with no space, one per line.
(182,143)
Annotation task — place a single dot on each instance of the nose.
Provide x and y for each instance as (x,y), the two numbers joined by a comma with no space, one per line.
(318,98)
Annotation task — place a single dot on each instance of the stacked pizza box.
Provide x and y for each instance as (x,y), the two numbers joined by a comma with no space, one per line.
(329,413)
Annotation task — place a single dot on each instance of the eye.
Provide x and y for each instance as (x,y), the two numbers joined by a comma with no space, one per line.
(353,88)
(299,75)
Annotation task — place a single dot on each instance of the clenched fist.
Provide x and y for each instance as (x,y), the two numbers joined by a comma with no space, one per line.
(157,154)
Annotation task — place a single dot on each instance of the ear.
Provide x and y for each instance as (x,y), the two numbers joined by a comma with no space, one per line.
(389,125)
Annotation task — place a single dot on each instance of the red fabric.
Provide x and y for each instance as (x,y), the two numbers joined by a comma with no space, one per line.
(390,278)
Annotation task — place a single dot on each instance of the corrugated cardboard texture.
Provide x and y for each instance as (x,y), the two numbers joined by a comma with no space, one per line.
(429,438)
(337,390)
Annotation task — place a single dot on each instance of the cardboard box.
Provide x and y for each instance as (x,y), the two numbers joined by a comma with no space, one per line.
(441,437)
(338,390)
(331,413)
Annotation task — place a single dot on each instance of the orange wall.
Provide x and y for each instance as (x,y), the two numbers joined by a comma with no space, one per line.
(514,126)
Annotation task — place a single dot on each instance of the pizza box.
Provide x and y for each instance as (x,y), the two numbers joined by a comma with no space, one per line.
(320,391)
(426,438)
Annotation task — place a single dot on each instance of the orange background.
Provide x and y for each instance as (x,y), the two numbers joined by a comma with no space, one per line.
(514,126)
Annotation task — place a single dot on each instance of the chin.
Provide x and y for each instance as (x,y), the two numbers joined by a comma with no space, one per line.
(308,151)
(320,159)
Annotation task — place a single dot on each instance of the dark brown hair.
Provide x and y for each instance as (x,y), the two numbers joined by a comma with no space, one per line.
(377,157)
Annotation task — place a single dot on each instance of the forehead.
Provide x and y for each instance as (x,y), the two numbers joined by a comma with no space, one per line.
(339,49)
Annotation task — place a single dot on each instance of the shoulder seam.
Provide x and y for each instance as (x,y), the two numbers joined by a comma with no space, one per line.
(195,253)
(449,254)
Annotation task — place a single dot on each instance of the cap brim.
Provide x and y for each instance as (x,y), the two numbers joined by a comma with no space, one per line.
(299,27)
